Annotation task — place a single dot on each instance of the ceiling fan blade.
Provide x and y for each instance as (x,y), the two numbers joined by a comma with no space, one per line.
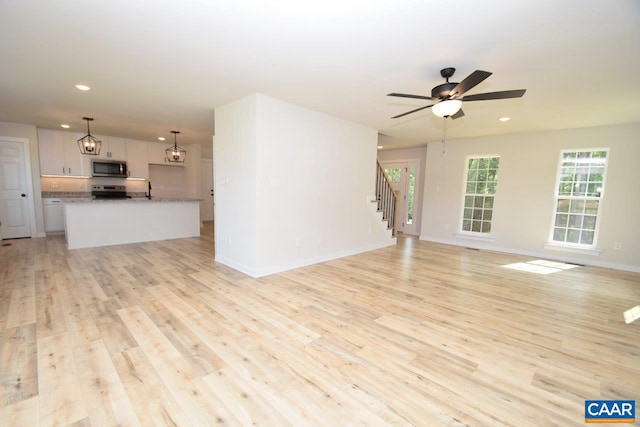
(471,81)
(505,94)
(405,95)
(412,111)
(459,114)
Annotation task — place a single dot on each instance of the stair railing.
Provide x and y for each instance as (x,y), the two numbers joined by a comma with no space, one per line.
(386,198)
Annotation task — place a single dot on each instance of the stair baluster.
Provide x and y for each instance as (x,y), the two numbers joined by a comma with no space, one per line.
(386,198)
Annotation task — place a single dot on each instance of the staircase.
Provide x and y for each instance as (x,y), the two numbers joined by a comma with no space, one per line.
(386,199)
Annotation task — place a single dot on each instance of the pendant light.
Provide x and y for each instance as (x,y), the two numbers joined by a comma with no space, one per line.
(175,153)
(89,144)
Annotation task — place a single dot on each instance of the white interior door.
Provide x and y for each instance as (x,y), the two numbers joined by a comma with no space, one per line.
(403,178)
(206,207)
(14,195)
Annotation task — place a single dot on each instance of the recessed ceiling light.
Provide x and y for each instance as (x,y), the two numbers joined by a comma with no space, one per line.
(380,146)
(65,126)
(83,87)
(504,119)
(161,138)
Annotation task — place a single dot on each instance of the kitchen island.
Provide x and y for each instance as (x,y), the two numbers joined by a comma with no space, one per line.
(90,223)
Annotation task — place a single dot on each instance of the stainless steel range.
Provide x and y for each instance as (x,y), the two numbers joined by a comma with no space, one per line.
(109,192)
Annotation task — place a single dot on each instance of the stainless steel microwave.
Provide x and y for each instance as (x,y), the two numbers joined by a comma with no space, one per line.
(109,168)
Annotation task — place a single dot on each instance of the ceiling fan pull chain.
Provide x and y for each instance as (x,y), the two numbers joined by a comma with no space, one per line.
(444,135)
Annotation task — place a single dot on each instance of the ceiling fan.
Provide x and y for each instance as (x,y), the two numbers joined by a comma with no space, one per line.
(448,96)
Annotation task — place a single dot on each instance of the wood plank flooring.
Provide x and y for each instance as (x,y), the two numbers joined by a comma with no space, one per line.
(419,334)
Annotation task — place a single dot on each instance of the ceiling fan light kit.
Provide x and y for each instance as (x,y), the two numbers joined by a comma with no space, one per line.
(448,97)
(447,108)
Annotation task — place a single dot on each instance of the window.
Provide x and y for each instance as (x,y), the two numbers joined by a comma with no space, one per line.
(481,185)
(411,194)
(394,174)
(578,194)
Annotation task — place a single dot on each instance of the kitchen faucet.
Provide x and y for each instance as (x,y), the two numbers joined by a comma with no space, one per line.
(148,195)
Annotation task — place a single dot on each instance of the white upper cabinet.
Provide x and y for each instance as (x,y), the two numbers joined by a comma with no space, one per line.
(60,155)
(113,148)
(137,164)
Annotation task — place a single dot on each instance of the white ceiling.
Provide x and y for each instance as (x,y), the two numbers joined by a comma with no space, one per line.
(159,65)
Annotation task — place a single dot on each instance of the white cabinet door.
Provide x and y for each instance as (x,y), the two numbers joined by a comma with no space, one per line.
(113,148)
(155,153)
(137,159)
(60,155)
(53,215)
(75,163)
(104,147)
(117,148)
(51,152)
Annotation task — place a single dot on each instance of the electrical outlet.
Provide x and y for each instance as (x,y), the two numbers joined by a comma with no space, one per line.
(617,246)
(54,185)
(299,241)
(446,227)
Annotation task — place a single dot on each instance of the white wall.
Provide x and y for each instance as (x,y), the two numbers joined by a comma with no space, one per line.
(308,175)
(235,184)
(193,174)
(524,201)
(404,154)
(29,132)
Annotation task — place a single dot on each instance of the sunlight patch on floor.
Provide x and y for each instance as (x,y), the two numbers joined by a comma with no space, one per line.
(540,266)
(632,314)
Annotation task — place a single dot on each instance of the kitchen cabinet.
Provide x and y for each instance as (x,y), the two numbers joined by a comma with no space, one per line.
(137,163)
(60,155)
(156,154)
(53,215)
(113,148)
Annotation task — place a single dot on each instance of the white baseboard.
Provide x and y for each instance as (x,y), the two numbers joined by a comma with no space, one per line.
(236,266)
(545,255)
(301,263)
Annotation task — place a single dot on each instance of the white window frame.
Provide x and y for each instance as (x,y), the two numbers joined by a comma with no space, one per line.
(589,249)
(479,235)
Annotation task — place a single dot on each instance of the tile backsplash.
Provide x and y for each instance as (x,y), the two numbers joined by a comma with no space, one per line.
(61,184)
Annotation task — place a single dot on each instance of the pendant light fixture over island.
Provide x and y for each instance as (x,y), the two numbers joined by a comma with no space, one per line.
(89,144)
(175,153)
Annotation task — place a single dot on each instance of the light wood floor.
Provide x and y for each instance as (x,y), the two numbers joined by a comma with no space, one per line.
(419,334)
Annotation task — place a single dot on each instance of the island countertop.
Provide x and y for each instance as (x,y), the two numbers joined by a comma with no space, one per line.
(128,200)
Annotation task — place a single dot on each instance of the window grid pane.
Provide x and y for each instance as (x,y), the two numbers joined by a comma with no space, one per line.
(580,184)
(411,194)
(394,174)
(480,188)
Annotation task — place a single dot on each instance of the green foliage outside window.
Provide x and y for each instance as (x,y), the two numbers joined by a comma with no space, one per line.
(481,186)
(580,187)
